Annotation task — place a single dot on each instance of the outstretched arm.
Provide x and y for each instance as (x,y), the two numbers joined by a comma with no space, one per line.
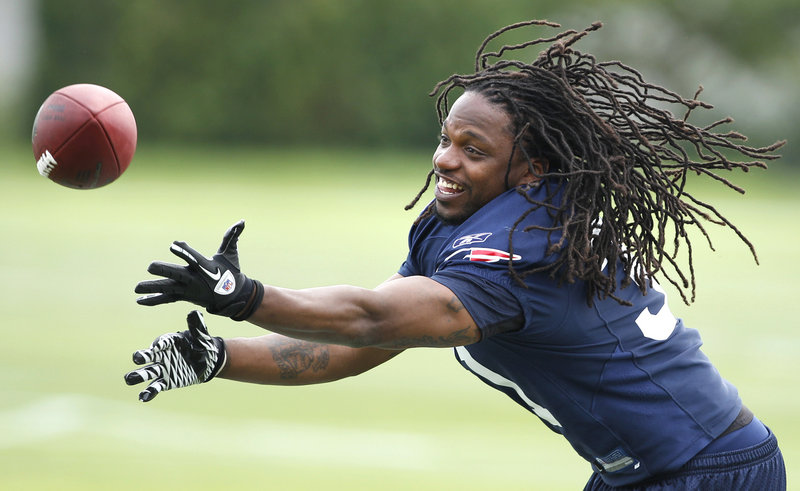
(332,313)
(279,360)
(180,359)
(400,313)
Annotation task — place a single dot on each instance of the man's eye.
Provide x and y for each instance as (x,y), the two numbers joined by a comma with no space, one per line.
(473,151)
(443,139)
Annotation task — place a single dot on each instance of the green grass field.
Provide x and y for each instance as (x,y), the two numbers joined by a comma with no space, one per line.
(70,260)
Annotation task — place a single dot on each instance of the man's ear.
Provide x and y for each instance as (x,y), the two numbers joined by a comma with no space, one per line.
(533,172)
(540,166)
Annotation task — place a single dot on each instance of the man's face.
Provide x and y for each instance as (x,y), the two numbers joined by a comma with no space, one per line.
(472,157)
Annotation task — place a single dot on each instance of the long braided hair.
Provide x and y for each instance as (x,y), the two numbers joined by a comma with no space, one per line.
(622,161)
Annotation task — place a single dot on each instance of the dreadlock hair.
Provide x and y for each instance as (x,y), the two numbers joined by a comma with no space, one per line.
(621,161)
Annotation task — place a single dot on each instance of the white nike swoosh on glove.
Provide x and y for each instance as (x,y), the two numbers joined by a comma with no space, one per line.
(214,276)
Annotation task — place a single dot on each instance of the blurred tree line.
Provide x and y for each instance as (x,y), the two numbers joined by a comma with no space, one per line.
(340,72)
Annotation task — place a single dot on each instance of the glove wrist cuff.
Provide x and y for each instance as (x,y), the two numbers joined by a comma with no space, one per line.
(222,358)
(253,302)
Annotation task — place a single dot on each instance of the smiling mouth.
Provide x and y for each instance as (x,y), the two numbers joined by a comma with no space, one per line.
(446,187)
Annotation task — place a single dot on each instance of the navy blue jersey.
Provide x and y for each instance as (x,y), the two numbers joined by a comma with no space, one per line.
(627,386)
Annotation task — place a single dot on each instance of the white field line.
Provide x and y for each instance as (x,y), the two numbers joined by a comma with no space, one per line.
(65,415)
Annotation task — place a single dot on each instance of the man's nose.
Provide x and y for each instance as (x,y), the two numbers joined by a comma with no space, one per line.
(445,158)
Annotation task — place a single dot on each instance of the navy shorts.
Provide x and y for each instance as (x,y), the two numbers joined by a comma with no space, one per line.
(759,467)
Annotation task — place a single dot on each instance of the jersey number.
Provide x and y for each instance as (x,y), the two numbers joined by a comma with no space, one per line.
(660,325)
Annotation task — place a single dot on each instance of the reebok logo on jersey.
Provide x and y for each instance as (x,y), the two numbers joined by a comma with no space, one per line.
(485,255)
(471,239)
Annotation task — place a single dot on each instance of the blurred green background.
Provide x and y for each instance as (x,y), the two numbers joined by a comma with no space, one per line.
(310,119)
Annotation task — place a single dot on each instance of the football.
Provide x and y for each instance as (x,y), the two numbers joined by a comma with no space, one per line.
(84,136)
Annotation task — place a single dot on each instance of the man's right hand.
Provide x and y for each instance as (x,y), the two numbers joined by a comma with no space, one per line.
(216,284)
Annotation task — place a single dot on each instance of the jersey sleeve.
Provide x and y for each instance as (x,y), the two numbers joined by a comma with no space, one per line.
(492,306)
(408,268)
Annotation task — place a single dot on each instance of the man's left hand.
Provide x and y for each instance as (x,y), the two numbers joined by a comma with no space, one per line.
(178,359)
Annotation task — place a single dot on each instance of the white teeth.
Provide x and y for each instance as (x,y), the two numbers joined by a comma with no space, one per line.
(445,184)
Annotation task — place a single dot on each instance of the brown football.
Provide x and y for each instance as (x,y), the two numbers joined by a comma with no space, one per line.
(84,136)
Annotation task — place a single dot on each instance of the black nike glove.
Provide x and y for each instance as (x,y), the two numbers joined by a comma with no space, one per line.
(216,283)
(179,359)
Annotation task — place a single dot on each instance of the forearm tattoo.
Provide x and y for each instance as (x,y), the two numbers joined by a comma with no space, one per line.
(294,357)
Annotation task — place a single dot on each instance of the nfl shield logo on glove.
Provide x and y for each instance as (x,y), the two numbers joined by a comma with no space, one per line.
(226,285)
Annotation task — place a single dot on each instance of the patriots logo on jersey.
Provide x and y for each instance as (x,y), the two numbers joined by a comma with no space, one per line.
(471,239)
(484,255)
